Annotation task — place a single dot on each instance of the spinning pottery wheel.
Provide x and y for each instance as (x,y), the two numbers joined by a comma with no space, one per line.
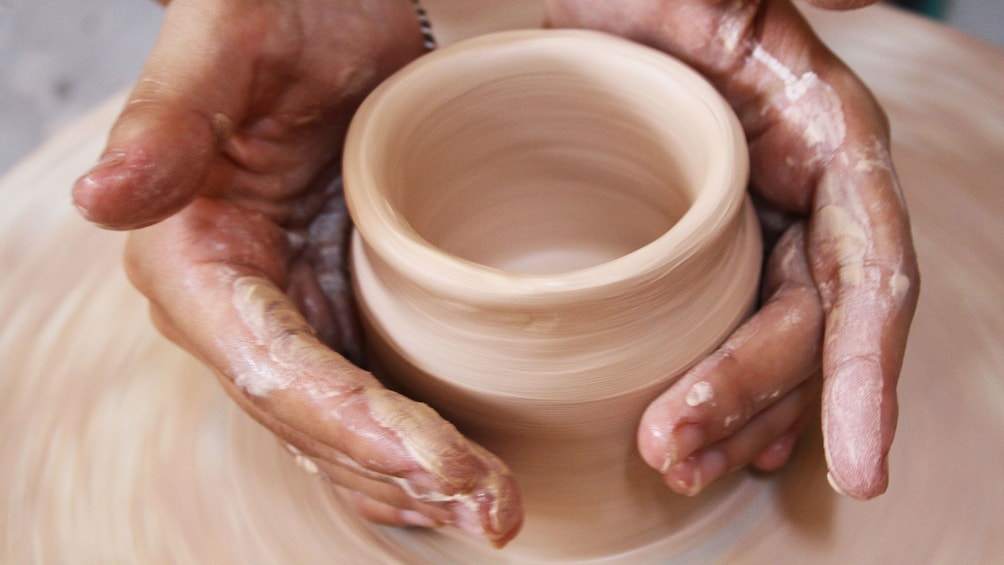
(118,447)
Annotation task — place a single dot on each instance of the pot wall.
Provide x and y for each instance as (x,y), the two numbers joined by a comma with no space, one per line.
(552,227)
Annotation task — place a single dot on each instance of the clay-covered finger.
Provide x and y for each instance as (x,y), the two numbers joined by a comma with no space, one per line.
(347,479)
(379,512)
(218,290)
(863,260)
(771,426)
(771,354)
(433,463)
(777,453)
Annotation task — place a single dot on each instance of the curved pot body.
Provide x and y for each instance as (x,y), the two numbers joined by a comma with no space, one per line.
(551,227)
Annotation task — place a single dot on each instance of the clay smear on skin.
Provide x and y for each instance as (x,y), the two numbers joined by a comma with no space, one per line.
(853,408)
(700,393)
(814,107)
(848,230)
(279,327)
(492,490)
(730,420)
(434,451)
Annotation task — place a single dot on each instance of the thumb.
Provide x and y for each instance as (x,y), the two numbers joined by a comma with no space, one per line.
(160,149)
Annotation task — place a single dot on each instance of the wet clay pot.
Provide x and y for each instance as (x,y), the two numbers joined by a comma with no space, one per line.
(551,227)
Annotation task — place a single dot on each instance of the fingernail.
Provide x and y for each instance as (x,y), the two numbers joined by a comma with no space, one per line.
(681,443)
(90,181)
(833,484)
(418,520)
(685,477)
(109,159)
(694,474)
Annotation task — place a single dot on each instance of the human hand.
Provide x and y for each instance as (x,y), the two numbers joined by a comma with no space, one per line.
(229,150)
(841,285)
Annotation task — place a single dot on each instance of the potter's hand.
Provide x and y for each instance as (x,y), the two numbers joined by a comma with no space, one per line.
(844,280)
(229,150)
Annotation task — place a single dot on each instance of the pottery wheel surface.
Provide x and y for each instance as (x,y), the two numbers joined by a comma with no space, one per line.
(116,447)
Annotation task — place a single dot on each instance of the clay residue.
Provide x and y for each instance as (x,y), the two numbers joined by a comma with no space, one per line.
(900,285)
(277,326)
(700,393)
(812,105)
(849,239)
(481,490)
(449,469)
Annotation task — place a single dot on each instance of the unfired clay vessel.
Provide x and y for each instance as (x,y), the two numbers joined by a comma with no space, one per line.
(552,227)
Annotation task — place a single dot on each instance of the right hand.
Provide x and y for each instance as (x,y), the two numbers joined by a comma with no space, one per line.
(841,286)
(227,155)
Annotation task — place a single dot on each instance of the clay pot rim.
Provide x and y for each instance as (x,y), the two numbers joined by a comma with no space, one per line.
(386,234)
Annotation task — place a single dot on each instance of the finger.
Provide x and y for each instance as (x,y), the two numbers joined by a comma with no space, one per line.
(381,513)
(309,298)
(376,499)
(174,122)
(272,364)
(779,451)
(371,485)
(429,460)
(866,270)
(697,471)
(346,475)
(768,356)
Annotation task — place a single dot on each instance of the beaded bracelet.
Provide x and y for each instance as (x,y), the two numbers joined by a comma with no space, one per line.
(426,27)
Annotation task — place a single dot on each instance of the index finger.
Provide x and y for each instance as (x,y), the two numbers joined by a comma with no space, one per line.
(866,271)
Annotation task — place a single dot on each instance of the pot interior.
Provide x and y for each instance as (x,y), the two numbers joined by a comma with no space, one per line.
(530,161)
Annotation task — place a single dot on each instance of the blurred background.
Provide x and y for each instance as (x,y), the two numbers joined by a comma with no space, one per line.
(59,58)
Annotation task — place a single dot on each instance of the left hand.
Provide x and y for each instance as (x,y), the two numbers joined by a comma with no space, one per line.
(840,286)
(227,154)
